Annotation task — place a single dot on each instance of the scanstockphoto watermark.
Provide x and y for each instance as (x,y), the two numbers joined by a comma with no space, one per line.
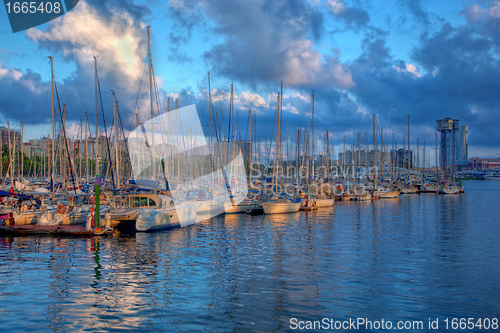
(431,324)
(172,150)
(358,324)
(334,172)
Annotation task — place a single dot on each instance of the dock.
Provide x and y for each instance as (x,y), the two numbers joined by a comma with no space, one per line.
(67,230)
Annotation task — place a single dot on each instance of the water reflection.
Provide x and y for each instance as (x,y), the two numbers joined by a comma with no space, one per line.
(416,257)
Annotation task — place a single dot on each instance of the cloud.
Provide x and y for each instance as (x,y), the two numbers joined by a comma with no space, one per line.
(265,41)
(112,30)
(474,13)
(352,16)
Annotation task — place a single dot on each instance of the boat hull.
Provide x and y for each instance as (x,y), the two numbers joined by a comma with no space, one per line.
(280,207)
(324,202)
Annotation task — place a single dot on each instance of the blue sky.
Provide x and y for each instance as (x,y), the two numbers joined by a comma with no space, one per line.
(428,59)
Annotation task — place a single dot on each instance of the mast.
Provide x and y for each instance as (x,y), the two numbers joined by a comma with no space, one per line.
(178,146)
(277,147)
(250,160)
(86,148)
(10,159)
(53,126)
(232,113)
(409,180)
(62,173)
(80,150)
(327,156)
(374,148)
(313,174)
(210,109)
(96,143)
(151,103)
(116,143)
(22,151)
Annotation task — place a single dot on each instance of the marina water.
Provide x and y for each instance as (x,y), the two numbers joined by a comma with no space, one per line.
(411,258)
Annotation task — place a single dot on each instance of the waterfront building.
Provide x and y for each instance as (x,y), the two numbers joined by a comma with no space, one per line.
(478,163)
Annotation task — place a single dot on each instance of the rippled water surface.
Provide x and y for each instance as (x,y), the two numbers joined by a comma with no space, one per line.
(412,258)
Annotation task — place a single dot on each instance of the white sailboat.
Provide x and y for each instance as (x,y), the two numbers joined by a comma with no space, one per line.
(279,204)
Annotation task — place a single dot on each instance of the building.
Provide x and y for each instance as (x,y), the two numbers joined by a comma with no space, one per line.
(448,129)
(463,144)
(400,158)
(15,138)
(478,164)
(363,158)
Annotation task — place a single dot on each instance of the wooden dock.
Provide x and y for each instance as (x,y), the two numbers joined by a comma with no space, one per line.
(67,230)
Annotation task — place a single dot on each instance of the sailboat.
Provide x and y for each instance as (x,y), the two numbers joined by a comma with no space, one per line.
(279,203)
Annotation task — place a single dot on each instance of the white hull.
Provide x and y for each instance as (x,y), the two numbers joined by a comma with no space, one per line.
(280,207)
(492,178)
(386,195)
(156,219)
(406,190)
(324,202)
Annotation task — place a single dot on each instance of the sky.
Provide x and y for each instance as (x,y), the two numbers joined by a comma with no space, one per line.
(426,59)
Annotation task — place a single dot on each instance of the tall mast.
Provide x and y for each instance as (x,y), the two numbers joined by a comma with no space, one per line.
(22,151)
(86,148)
(96,142)
(10,159)
(436,154)
(409,180)
(232,113)
(277,147)
(80,153)
(374,148)
(62,174)
(313,136)
(178,146)
(151,103)
(210,108)
(116,143)
(250,160)
(53,126)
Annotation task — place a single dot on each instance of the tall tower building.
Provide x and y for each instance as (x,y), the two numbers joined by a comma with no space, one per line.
(448,128)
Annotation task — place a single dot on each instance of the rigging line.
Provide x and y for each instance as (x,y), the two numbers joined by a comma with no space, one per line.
(105,131)
(123,133)
(65,140)
(139,93)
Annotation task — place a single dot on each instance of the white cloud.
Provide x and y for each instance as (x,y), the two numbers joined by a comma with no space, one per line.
(410,68)
(13,73)
(306,66)
(83,33)
(474,13)
(336,7)
(494,10)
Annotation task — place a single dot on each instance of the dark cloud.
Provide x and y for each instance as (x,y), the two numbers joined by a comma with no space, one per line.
(261,41)
(416,9)
(353,17)
(460,78)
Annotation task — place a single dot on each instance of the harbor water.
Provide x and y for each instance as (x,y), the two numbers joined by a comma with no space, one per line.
(407,259)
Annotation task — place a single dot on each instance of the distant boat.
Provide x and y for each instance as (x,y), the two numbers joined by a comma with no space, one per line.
(492,176)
